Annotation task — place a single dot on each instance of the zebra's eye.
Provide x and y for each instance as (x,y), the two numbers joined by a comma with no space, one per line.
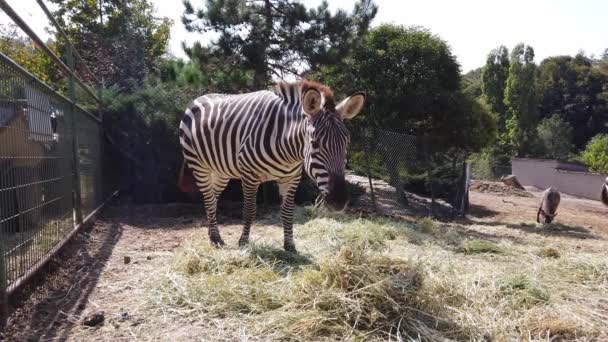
(314,144)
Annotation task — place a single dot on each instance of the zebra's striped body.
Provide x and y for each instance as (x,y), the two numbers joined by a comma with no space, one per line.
(257,137)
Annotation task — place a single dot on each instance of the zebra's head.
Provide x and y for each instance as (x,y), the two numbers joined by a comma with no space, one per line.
(327,140)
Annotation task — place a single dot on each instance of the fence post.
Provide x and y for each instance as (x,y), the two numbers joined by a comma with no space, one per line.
(429,175)
(3,288)
(102,182)
(75,160)
(464,209)
(368,169)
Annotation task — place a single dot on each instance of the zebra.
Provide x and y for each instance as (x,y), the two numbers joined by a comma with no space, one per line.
(269,135)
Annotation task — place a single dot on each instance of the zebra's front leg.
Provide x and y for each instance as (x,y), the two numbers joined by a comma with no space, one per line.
(287,190)
(250,191)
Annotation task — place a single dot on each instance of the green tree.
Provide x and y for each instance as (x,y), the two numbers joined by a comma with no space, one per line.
(122,41)
(471,83)
(555,136)
(278,37)
(575,89)
(413,84)
(494,80)
(24,52)
(596,154)
(521,100)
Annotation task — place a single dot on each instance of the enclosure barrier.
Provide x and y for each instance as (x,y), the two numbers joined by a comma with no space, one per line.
(51,152)
(404,171)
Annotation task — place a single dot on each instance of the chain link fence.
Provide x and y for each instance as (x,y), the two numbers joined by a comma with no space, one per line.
(488,171)
(404,176)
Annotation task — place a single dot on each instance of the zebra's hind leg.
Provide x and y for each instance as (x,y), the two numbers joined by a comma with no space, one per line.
(211,186)
(287,190)
(250,190)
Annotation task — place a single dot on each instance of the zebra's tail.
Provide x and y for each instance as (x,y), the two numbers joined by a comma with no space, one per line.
(186,181)
(605,194)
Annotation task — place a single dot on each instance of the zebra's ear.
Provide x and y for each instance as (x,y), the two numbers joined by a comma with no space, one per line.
(311,101)
(351,106)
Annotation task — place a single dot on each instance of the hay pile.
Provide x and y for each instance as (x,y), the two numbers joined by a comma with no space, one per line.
(498,188)
(379,279)
(349,294)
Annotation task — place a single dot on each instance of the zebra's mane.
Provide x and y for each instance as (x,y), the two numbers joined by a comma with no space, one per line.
(291,92)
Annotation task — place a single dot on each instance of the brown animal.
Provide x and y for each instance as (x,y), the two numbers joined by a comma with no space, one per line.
(548,206)
(605,192)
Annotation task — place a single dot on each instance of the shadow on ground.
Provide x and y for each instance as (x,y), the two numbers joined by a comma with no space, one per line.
(480,211)
(73,275)
(556,229)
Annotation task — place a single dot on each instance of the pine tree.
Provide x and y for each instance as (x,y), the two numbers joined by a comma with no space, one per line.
(278,37)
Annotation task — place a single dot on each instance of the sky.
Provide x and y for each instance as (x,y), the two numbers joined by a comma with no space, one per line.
(471,27)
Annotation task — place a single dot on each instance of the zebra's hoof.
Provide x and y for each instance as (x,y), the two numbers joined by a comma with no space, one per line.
(290,248)
(217,242)
(243,242)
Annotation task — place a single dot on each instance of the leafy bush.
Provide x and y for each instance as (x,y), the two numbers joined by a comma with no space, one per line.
(596,154)
(143,124)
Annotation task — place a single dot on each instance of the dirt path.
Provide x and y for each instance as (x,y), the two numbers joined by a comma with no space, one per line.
(94,274)
(585,216)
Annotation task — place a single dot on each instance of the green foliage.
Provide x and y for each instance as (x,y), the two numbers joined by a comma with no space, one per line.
(413,85)
(480,246)
(143,124)
(216,72)
(121,41)
(471,83)
(555,137)
(493,81)
(575,89)
(24,52)
(521,100)
(278,37)
(596,154)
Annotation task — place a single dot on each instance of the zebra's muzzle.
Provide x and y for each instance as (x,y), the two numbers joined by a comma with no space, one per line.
(337,196)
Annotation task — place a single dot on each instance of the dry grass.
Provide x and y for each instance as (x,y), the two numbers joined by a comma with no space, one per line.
(379,279)
(549,252)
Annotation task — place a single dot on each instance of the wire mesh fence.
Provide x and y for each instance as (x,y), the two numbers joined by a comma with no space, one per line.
(37,170)
(405,176)
(484,169)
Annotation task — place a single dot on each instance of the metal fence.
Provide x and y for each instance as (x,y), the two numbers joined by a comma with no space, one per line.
(484,169)
(38,176)
(404,175)
(52,178)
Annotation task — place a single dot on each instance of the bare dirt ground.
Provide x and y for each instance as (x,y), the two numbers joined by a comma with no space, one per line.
(113,266)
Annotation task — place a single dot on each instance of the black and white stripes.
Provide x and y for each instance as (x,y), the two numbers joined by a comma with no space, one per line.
(266,136)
